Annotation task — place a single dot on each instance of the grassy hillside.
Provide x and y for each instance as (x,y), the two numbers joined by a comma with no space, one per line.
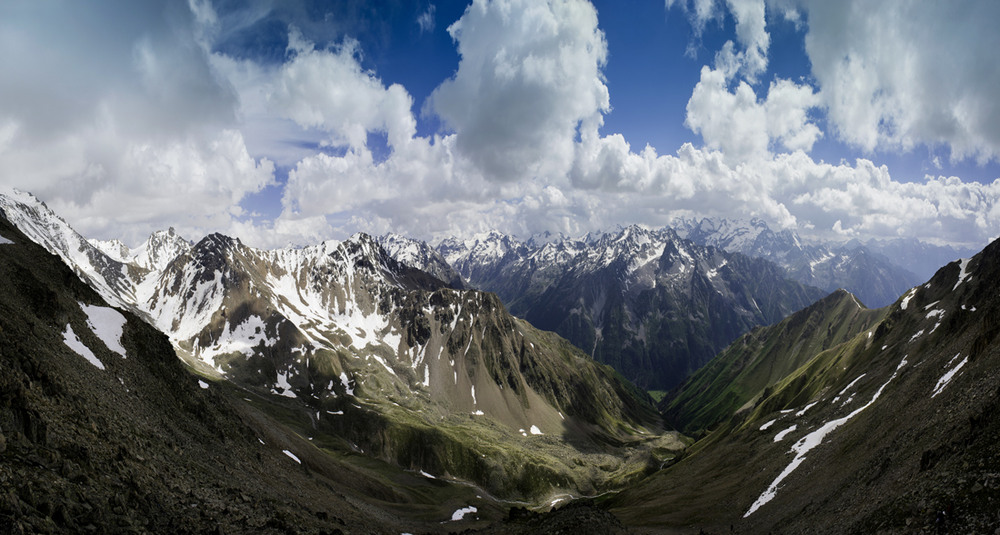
(747,370)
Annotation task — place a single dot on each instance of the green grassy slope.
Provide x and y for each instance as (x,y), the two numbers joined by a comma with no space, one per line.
(742,373)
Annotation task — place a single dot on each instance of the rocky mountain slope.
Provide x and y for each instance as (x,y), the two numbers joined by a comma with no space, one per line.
(652,305)
(369,351)
(894,430)
(873,277)
(103,430)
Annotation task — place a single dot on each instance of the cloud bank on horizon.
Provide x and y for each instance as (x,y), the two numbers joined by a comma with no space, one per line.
(130,118)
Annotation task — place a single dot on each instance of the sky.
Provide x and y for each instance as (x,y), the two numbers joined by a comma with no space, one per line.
(292,122)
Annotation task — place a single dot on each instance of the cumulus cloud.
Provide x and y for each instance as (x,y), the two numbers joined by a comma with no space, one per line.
(127,152)
(750,59)
(899,74)
(123,127)
(328,89)
(529,74)
(891,75)
(744,127)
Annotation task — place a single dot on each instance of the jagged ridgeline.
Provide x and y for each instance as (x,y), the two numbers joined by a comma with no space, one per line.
(846,420)
(654,306)
(365,353)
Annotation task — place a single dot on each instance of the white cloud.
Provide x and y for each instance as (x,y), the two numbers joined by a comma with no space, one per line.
(751,32)
(529,74)
(898,74)
(194,185)
(743,127)
(154,143)
(752,35)
(328,89)
(891,75)
(120,127)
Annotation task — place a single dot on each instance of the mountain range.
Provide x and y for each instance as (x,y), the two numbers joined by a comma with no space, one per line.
(103,429)
(651,304)
(343,387)
(385,358)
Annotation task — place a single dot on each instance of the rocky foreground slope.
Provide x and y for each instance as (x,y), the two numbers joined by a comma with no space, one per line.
(103,430)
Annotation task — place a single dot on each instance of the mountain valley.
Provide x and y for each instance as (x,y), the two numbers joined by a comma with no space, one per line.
(363,386)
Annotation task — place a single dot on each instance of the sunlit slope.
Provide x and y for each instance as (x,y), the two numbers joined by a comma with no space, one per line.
(741,374)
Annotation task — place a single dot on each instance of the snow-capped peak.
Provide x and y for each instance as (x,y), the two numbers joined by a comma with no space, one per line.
(113,248)
(159,249)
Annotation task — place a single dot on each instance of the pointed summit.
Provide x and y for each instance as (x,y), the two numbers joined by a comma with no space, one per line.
(160,248)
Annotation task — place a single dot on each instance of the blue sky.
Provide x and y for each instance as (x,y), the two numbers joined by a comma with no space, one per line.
(293,122)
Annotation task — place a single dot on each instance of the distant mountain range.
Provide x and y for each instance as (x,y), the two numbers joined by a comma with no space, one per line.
(876,272)
(654,306)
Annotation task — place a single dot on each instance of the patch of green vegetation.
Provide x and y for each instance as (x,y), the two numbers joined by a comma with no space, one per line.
(657,395)
(749,370)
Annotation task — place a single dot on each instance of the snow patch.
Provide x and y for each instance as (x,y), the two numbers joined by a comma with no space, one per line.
(73,342)
(804,409)
(906,300)
(384,365)
(347,386)
(782,434)
(108,324)
(460,514)
(281,381)
(768,425)
(963,275)
(241,338)
(291,455)
(947,377)
(535,430)
(810,441)
(5,241)
(848,387)
(202,384)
